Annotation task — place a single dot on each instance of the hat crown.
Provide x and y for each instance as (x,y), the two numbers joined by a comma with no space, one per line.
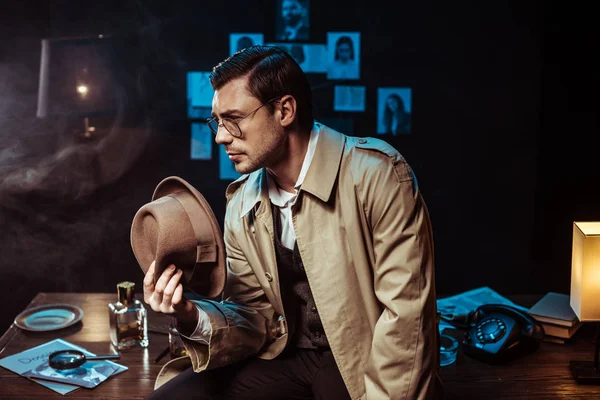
(178,227)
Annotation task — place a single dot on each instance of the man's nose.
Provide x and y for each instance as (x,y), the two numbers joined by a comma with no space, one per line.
(223,136)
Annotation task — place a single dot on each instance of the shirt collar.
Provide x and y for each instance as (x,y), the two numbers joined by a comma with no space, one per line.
(280,197)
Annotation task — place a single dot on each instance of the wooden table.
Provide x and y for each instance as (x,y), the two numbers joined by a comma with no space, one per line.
(542,375)
(92,333)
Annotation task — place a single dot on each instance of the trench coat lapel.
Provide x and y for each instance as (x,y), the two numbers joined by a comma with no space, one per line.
(259,221)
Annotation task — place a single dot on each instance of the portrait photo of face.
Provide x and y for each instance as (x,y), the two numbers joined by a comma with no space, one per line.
(343,50)
(240,41)
(394,111)
(292,20)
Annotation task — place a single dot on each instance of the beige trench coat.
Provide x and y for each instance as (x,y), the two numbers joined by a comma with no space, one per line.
(365,238)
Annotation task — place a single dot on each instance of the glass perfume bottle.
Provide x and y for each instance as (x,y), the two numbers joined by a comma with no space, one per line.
(128,319)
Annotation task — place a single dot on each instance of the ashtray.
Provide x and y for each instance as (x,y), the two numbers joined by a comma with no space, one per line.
(448,350)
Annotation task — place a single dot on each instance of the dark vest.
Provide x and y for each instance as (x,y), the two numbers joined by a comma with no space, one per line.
(304,323)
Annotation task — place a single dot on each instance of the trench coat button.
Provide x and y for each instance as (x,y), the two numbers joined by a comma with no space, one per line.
(317,334)
(362,141)
(313,309)
(269,277)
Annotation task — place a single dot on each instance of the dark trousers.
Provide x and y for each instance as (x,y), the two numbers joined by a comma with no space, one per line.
(296,374)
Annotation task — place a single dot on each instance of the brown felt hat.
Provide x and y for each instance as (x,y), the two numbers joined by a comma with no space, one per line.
(179,227)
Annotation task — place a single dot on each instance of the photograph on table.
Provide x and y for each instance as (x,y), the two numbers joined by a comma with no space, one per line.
(292,20)
(201,141)
(343,49)
(394,111)
(88,375)
(349,98)
(239,41)
(199,93)
(227,170)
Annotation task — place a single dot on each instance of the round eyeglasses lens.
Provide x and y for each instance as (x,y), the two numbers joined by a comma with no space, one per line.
(232,128)
(213,125)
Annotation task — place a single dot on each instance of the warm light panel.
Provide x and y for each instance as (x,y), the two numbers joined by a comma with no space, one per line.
(585,271)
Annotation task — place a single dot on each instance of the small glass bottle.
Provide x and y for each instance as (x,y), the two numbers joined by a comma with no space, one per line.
(128,320)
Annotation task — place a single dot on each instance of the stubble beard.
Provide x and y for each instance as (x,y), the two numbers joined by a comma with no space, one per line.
(266,153)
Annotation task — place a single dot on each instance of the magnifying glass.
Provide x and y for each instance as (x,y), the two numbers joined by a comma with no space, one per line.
(69,359)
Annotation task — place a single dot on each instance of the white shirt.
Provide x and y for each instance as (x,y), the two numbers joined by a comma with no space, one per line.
(282,199)
(285,200)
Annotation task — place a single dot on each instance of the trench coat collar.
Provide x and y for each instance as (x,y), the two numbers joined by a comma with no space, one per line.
(319,180)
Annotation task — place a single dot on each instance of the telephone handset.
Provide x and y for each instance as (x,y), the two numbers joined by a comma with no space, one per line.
(499,332)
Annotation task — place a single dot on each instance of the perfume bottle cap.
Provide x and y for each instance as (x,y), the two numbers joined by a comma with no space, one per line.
(125,292)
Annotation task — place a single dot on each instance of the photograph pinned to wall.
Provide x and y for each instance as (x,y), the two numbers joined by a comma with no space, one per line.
(394,111)
(316,58)
(343,125)
(312,58)
(295,50)
(199,93)
(349,98)
(227,170)
(201,141)
(292,21)
(198,112)
(239,41)
(343,51)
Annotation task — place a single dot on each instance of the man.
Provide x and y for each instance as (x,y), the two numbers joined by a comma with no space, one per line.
(330,286)
(294,21)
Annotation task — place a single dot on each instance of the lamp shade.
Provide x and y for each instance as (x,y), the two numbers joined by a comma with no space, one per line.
(585,271)
(77,77)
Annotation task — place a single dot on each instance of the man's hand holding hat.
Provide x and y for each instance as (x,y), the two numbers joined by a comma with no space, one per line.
(179,227)
(178,243)
(166,296)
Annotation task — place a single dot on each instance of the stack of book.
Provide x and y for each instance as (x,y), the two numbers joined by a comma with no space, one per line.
(555,314)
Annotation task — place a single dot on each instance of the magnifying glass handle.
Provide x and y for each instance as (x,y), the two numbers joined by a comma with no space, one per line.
(104,357)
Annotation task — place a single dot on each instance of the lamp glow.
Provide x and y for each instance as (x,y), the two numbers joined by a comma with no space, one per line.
(585,291)
(82,90)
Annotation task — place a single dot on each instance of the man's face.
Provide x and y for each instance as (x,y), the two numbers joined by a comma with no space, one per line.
(263,140)
(291,11)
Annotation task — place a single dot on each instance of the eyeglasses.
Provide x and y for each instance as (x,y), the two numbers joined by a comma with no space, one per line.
(232,125)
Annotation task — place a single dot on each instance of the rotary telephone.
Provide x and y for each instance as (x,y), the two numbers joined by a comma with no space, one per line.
(499,332)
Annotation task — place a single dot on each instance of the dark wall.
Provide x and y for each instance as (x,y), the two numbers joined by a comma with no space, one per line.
(568,177)
(480,147)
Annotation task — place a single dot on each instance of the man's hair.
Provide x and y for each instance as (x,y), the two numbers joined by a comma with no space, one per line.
(341,40)
(272,73)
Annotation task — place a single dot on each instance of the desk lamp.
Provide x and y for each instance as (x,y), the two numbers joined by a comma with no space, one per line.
(585,292)
(77,81)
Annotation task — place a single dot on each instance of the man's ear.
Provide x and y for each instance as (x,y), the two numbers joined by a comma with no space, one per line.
(287,106)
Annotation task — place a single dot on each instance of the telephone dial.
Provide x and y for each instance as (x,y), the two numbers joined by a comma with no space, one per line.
(499,332)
